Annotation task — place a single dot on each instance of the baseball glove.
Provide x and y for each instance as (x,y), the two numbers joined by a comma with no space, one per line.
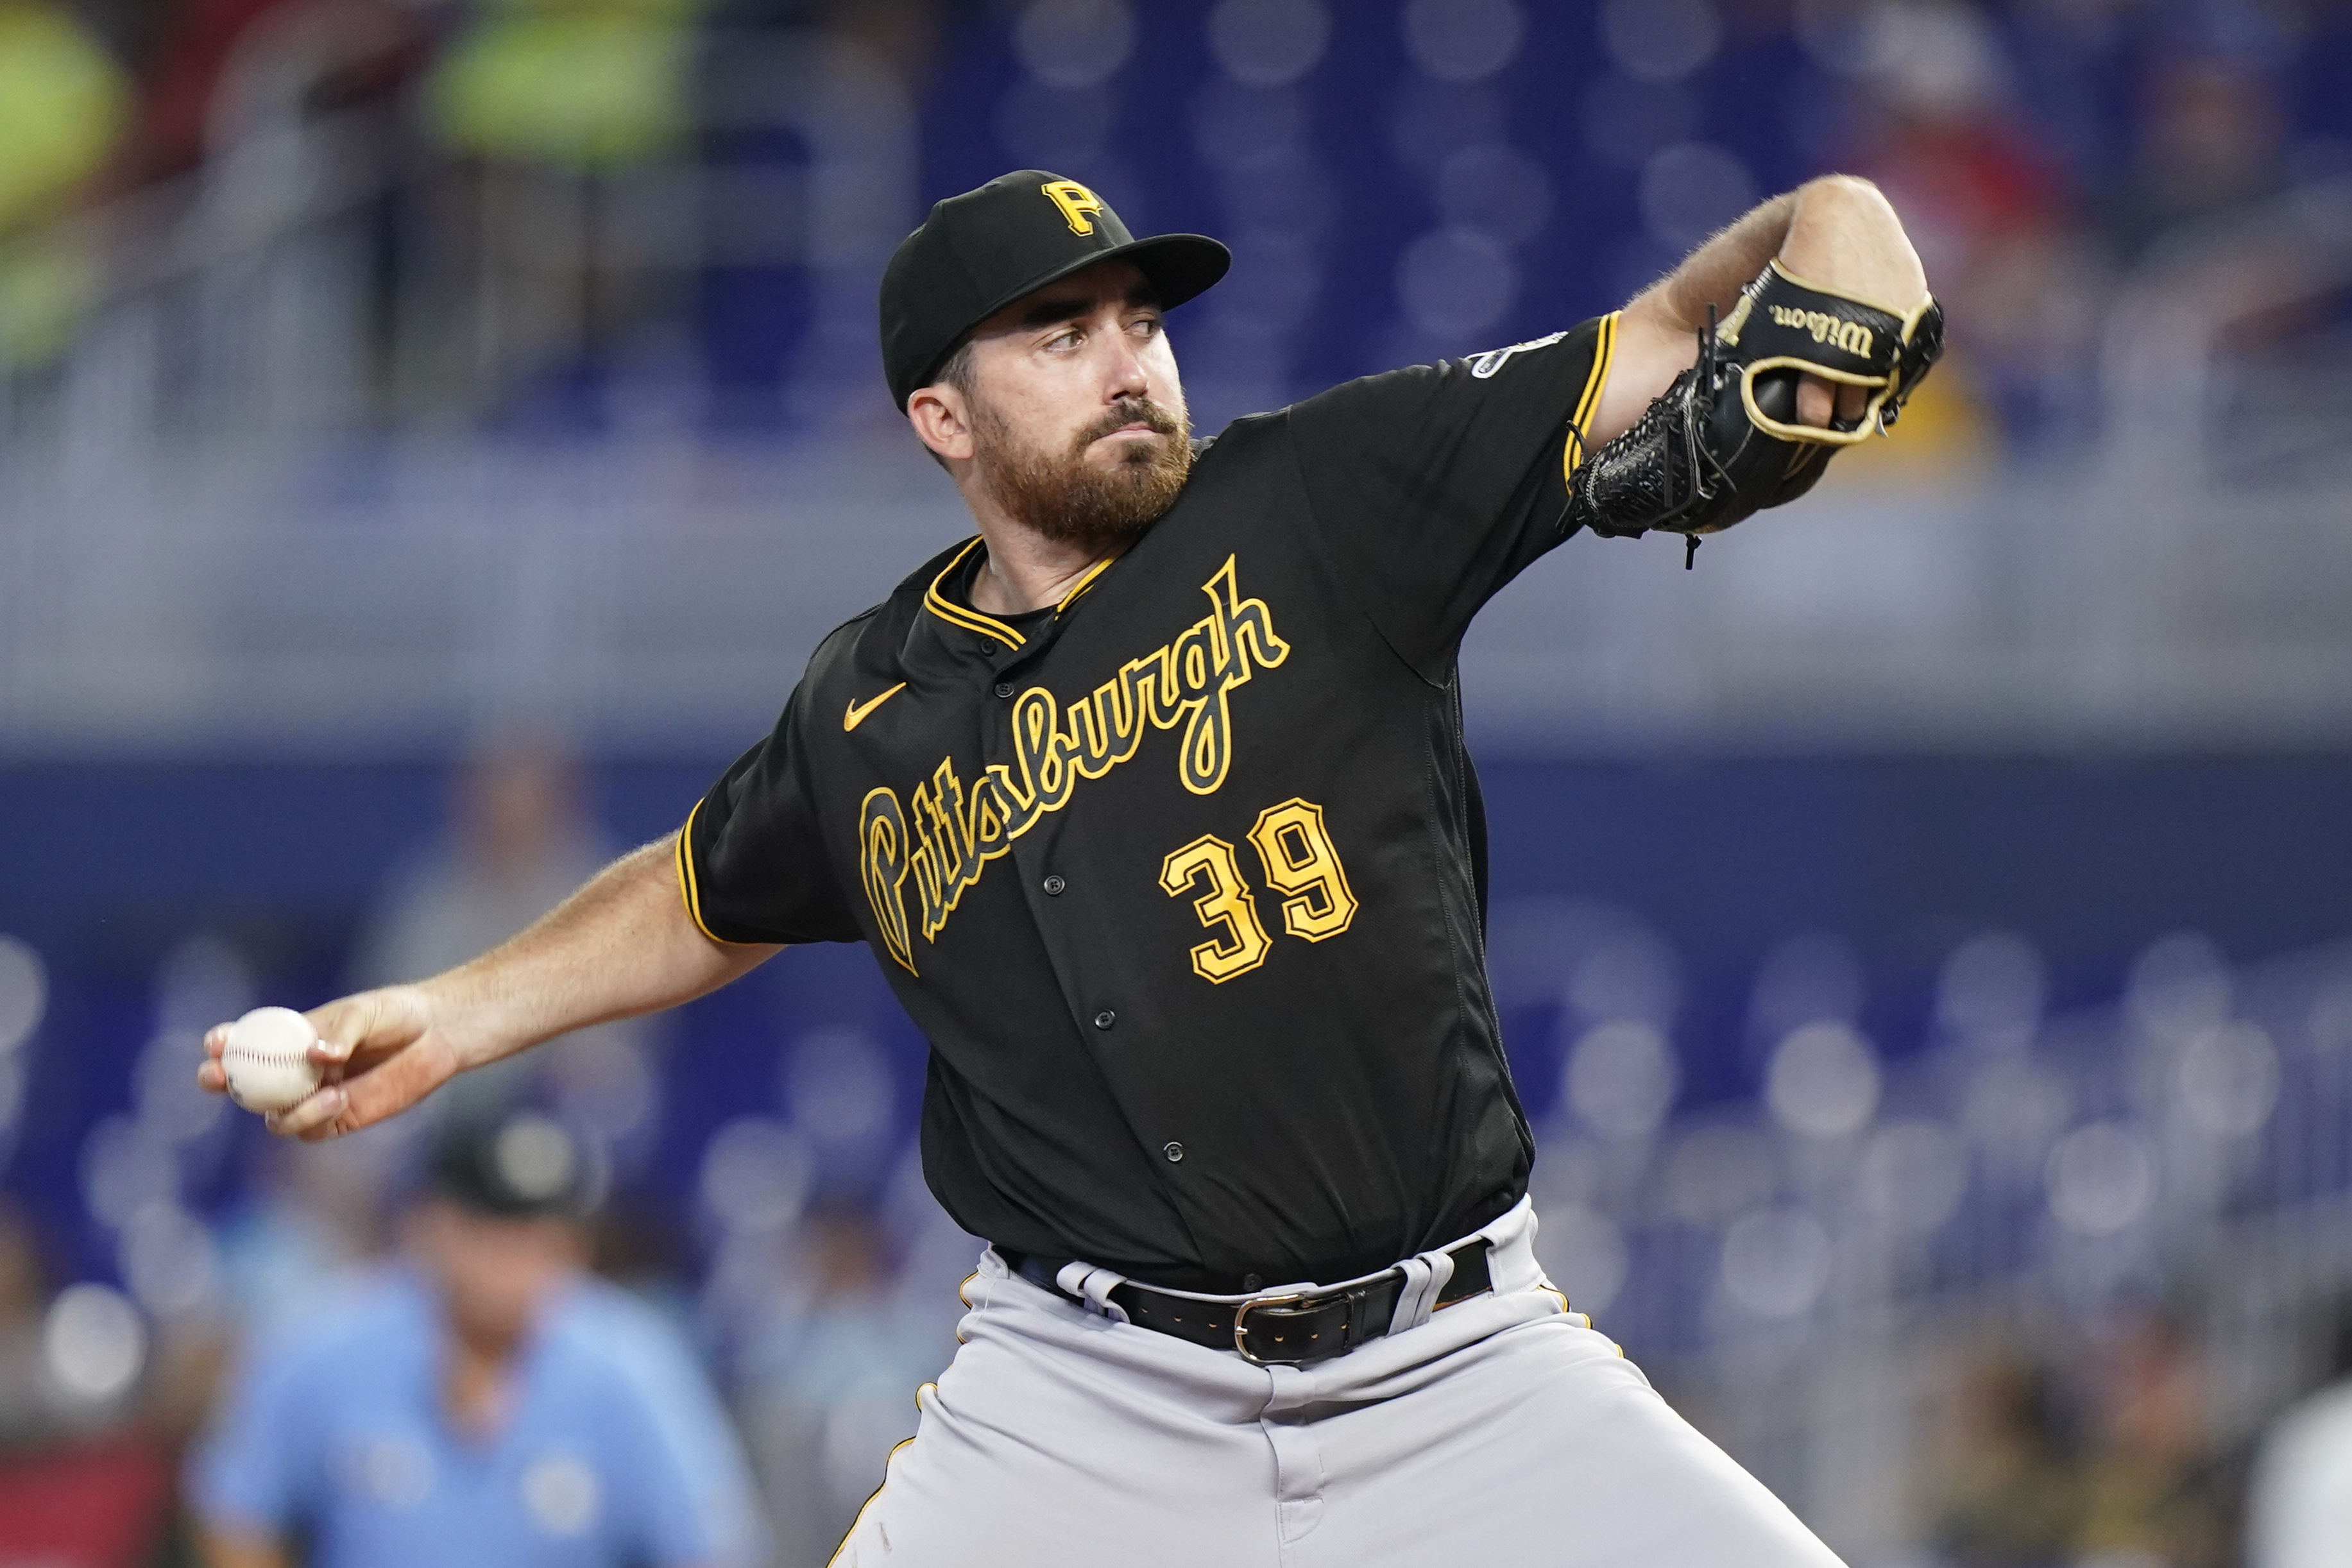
(1722,442)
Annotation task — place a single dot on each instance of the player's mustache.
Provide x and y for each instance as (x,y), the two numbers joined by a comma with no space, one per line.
(1130,411)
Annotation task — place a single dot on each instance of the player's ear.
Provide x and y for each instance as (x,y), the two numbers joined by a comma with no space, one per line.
(941,416)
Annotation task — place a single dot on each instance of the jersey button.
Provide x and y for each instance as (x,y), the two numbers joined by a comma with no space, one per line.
(1054,886)
(1004,689)
(1175,1153)
(1106,1019)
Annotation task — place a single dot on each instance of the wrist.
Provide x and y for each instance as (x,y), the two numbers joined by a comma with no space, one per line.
(452,1007)
(1845,236)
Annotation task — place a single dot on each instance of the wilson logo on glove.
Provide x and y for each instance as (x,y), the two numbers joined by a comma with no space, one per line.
(1850,336)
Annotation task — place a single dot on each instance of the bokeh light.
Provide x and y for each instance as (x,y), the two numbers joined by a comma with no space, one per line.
(1268,43)
(93,1343)
(1776,1261)
(1823,1081)
(1462,40)
(757,1174)
(1455,283)
(23,992)
(1913,1175)
(1585,1253)
(1621,1078)
(1074,43)
(1660,41)
(2228,1080)
(2103,1178)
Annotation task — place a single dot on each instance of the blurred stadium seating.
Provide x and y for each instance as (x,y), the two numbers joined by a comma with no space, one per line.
(1918,929)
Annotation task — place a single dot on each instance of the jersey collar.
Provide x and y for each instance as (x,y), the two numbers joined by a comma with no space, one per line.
(961,566)
(937,602)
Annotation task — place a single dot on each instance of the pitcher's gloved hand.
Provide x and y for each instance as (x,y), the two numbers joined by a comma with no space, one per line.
(1724,440)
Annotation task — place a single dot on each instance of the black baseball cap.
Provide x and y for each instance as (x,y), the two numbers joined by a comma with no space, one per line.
(980,251)
(515,1165)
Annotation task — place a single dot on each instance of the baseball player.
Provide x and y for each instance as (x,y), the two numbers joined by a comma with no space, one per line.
(1151,799)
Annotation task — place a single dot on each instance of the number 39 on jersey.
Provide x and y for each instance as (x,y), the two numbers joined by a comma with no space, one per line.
(1295,854)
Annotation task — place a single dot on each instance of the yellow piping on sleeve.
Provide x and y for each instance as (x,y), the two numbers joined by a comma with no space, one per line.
(688,890)
(1596,382)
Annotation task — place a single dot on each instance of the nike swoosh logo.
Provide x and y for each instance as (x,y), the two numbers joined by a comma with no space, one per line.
(858,711)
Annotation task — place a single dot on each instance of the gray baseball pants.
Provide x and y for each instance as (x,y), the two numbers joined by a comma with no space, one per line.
(1502,1428)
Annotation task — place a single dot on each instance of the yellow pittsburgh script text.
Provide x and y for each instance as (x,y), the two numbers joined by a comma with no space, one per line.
(945,833)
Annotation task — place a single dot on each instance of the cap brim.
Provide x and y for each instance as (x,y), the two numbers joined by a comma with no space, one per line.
(1178,266)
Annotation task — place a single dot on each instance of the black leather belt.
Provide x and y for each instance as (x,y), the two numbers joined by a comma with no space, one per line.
(1293,1329)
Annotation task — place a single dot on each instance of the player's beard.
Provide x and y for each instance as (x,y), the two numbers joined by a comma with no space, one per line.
(1072,501)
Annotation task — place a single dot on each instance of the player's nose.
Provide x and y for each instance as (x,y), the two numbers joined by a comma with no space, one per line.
(1124,376)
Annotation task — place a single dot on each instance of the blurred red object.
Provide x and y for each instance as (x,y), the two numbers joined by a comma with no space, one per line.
(341,50)
(99,1506)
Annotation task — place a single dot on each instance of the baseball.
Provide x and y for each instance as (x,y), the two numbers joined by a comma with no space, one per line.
(268,1059)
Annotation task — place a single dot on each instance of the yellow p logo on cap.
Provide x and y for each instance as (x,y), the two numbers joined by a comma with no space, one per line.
(1076,202)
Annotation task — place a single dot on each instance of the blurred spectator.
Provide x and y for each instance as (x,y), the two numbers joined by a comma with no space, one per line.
(217,63)
(63,102)
(575,84)
(1982,195)
(80,1486)
(2012,1493)
(548,99)
(2210,142)
(520,841)
(2149,1500)
(488,1403)
(830,1380)
(61,105)
(25,1409)
(283,116)
(2300,1512)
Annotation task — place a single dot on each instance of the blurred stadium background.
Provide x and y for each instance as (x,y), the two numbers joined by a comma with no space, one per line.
(433,434)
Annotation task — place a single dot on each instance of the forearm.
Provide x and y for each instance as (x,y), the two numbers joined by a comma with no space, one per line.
(622,945)
(1715,273)
(1836,232)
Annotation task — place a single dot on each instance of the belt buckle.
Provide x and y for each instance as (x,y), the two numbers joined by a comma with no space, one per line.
(1241,1324)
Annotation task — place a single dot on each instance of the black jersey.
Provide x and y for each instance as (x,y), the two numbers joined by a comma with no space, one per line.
(1183,880)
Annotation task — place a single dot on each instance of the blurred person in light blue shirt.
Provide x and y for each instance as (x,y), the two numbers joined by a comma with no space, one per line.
(486,1403)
